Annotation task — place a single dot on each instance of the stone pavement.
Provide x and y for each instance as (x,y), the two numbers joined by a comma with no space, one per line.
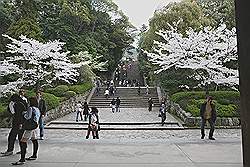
(126,115)
(133,148)
(144,148)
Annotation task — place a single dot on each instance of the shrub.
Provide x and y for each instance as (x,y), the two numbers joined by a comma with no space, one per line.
(69,94)
(58,91)
(30,93)
(226,102)
(226,110)
(2,108)
(51,100)
(80,89)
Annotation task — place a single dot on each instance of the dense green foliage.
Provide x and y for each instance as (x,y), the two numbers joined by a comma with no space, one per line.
(227,102)
(58,91)
(186,13)
(82,25)
(69,94)
(79,89)
(51,100)
(52,96)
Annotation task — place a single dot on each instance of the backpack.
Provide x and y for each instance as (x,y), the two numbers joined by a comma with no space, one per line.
(30,124)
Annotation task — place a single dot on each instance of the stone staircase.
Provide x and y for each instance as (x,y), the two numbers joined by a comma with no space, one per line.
(129,98)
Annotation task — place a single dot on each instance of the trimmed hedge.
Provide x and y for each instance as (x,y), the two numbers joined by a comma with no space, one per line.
(227,102)
(80,89)
(69,94)
(58,91)
(51,100)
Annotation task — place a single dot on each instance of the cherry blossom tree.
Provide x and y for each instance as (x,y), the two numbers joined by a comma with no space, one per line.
(34,61)
(206,52)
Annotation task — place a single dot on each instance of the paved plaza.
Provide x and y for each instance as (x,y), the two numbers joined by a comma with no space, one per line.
(121,148)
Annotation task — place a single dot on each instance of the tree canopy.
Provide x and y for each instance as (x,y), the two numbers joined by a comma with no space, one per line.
(84,25)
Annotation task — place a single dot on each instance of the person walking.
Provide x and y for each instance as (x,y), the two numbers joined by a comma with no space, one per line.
(113,102)
(85,110)
(78,109)
(147,90)
(163,114)
(106,93)
(150,104)
(208,114)
(117,104)
(93,123)
(16,107)
(42,108)
(139,90)
(31,131)
(112,90)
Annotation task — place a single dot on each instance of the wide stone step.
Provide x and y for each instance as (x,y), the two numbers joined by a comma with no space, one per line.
(125,100)
(122,106)
(115,125)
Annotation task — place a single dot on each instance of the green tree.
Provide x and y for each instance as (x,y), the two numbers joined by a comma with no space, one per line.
(219,11)
(187,14)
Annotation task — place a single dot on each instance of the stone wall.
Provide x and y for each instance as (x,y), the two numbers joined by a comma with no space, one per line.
(66,107)
(189,120)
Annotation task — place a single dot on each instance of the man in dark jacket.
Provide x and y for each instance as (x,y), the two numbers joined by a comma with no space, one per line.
(118,103)
(208,113)
(18,104)
(150,104)
(43,108)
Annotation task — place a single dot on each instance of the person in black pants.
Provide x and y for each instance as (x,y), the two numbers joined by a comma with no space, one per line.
(118,103)
(85,110)
(93,123)
(150,104)
(17,106)
(208,113)
(163,114)
(31,131)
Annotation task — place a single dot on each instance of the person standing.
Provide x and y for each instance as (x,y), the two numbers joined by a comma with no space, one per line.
(163,100)
(18,104)
(31,131)
(78,109)
(113,102)
(147,90)
(111,90)
(117,104)
(85,110)
(163,114)
(150,104)
(139,90)
(42,108)
(106,93)
(208,114)
(93,123)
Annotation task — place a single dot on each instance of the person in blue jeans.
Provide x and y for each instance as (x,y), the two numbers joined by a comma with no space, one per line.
(43,108)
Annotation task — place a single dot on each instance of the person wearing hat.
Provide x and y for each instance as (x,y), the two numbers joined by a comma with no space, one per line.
(208,114)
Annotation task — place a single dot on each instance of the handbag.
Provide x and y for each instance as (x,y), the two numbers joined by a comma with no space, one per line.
(30,124)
